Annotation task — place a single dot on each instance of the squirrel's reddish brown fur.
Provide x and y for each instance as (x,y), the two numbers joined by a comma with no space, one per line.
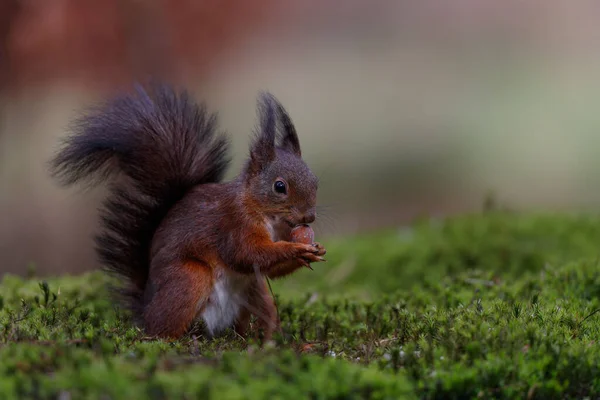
(187,245)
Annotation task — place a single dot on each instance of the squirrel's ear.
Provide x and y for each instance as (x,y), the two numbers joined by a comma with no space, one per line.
(262,150)
(290,141)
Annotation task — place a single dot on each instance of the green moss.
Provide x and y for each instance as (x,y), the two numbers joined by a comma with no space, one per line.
(495,242)
(495,305)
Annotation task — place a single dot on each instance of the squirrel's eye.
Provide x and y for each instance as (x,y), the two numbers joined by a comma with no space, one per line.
(280,187)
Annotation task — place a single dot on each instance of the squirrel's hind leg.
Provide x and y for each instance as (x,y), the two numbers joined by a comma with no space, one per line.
(262,305)
(179,292)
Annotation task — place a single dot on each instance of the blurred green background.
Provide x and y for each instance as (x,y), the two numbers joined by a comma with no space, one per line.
(404,108)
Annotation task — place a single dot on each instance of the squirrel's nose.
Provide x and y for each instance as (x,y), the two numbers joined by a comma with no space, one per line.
(309,217)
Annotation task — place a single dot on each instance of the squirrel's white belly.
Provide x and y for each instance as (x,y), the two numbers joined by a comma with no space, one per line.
(229,296)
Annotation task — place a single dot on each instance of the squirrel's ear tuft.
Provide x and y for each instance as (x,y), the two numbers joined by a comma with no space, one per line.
(290,141)
(262,150)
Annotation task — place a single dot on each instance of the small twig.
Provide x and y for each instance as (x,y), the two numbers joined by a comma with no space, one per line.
(276,305)
(590,315)
(238,335)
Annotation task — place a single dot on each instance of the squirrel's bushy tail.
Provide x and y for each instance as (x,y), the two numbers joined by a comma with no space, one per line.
(163,144)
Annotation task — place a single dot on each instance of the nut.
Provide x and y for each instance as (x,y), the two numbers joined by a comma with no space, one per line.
(303,234)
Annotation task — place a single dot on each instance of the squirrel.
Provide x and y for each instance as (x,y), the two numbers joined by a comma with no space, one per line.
(189,246)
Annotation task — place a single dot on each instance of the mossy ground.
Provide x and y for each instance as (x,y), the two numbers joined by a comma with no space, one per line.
(494,305)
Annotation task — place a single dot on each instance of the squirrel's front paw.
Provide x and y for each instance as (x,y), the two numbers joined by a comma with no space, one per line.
(302,248)
(311,257)
(321,250)
(308,258)
(310,253)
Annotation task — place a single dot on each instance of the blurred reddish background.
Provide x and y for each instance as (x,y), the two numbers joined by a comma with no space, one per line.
(106,43)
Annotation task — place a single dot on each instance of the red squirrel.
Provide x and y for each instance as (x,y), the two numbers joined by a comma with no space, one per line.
(188,245)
